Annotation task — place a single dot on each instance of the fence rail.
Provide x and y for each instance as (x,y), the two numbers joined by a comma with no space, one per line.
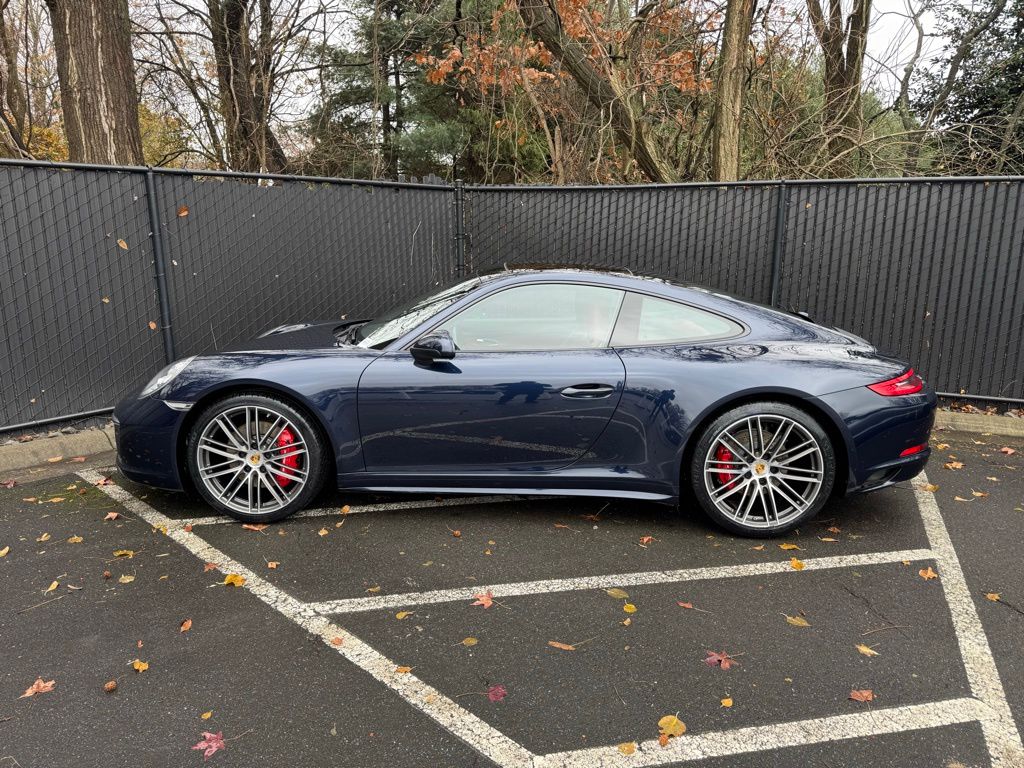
(108,272)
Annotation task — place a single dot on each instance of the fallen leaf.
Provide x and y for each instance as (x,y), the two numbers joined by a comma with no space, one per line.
(73,588)
(960,498)
(125,578)
(74,540)
(827,538)
(954,465)
(927,573)
(787,546)
(152,325)
(497,692)
(930,487)
(8,484)
(629,608)
(373,590)
(272,564)
(626,622)
(55,500)
(77,459)
(234,580)
(645,540)
(53,585)
(206,715)
(322,532)
(210,743)
(685,605)
(1007,450)
(183,212)
(122,244)
(796,565)
(942,447)
(188,528)
(862,695)
(671,725)
(979,494)
(469,642)
(55,459)
(798,621)
(403,670)
(727,702)
(486,599)
(209,567)
(720,659)
(759,548)
(663,740)
(993,596)
(110,686)
(561,646)
(39,686)
(128,553)
(866,650)
(44,537)
(106,574)
(627,747)
(456,534)
(403,614)
(140,666)
(618,594)
(251,527)
(186,625)
(337,640)
(105,481)
(4,551)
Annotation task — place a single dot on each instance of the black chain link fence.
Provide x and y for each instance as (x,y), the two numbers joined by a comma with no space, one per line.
(93,303)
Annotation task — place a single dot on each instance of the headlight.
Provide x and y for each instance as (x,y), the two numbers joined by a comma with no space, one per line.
(166,376)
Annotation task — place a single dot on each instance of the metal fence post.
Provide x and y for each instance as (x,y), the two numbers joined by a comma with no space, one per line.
(460,227)
(159,267)
(779,245)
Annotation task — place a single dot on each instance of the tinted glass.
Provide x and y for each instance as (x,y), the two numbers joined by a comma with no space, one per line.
(649,320)
(400,320)
(538,317)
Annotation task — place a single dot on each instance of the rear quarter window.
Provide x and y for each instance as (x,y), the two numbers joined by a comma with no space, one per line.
(646,320)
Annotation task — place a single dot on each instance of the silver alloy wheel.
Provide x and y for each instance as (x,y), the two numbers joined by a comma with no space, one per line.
(247,462)
(764,470)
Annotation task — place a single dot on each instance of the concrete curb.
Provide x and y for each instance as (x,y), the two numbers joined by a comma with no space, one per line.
(37,452)
(980,422)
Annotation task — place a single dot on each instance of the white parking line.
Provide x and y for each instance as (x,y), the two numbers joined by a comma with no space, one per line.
(378,602)
(1001,734)
(988,706)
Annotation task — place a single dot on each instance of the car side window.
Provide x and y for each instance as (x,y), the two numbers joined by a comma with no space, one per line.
(545,317)
(649,320)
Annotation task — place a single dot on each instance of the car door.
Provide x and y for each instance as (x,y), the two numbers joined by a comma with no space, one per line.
(531,387)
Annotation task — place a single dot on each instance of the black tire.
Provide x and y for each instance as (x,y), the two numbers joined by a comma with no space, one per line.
(308,476)
(726,466)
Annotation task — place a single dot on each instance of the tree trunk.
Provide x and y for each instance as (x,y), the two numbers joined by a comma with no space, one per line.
(602,89)
(92,39)
(725,140)
(242,78)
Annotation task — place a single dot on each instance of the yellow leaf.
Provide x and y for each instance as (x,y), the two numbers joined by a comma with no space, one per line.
(129,553)
(55,500)
(373,590)
(234,580)
(272,564)
(207,715)
(626,622)
(44,537)
(403,614)
(105,299)
(930,487)
(993,596)
(403,670)
(561,646)
(942,447)
(796,565)
(55,459)
(670,725)
(186,625)
(629,608)
(787,546)
(727,702)
(125,578)
(927,573)
(322,532)
(627,747)
(618,594)
(183,212)
(866,650)
(4,551)
(53,586)
(798,621)
(469,642)
(75,540)
(827,538)
(979,494)
(140,666)
(759,548)
(122,244)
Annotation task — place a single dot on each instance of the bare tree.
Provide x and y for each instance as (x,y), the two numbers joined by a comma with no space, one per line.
(729,90)
(13,102)
(92,39)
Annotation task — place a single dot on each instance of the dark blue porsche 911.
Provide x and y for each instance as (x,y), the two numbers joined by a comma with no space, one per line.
(539,381)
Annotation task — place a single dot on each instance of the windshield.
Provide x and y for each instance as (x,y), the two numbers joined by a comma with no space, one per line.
(398,321)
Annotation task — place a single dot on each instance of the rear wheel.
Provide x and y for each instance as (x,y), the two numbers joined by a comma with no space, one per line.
(256,458)
(763,468)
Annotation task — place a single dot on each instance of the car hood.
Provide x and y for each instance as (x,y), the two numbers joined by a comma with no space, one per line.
(321,335)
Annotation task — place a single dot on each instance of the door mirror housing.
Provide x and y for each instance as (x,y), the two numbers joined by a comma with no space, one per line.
(434,347)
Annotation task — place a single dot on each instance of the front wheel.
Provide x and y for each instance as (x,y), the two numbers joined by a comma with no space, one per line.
(763,469)
(256,458)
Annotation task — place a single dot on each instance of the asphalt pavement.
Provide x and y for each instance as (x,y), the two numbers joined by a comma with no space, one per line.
(355,641)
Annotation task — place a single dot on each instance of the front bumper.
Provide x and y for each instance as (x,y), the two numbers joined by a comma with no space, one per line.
(146,433)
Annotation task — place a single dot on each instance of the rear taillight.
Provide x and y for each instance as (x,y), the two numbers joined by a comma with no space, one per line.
(912,450)
(905,384)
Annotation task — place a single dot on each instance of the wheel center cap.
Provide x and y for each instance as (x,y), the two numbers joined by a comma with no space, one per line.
(760,468)
(255,459)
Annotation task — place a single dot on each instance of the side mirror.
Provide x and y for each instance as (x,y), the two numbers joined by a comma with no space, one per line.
(436,346)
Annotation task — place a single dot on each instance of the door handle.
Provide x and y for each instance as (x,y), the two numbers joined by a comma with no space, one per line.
(590,391)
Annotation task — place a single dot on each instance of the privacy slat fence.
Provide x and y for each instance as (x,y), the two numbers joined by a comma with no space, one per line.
(927,268)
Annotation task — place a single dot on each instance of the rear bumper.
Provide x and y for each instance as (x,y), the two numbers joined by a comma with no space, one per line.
(146,434)
(878,430)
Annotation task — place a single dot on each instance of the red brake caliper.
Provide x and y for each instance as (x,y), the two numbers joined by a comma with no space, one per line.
(723,454)
(289,457)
